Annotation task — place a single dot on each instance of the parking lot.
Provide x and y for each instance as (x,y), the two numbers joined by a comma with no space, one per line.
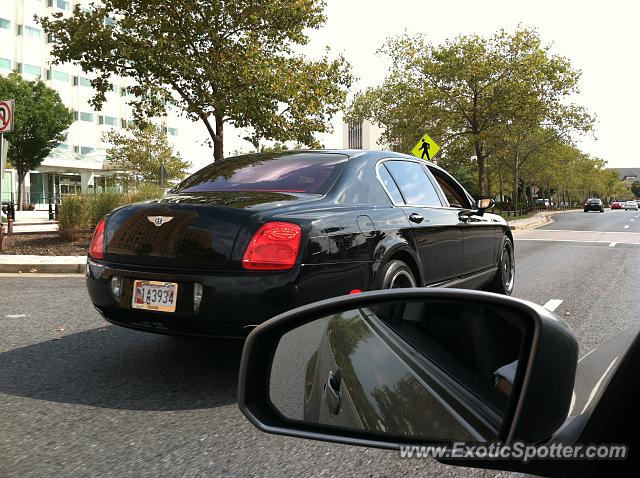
(80,397)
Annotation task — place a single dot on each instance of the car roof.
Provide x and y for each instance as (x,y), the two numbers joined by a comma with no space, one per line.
(359,153)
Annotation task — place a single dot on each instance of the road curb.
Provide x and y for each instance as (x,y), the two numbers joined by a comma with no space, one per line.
(42,264)
(546,218)
(533,225)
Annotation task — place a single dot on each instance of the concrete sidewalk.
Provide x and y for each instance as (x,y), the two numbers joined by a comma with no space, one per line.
(53,264)
(35,228)
(33,222)
(537,220)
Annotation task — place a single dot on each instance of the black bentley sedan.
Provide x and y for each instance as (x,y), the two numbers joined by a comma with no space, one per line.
(249,237)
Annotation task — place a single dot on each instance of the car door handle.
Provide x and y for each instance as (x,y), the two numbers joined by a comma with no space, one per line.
(417,218)
(332,391)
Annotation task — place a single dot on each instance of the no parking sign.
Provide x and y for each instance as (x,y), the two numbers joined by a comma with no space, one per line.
(6,115)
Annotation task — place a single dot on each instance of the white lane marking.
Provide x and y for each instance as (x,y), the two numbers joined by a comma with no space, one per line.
(563,240)
(552,304)
(613,244)
(627,226)
(14,316)
(630,220)
(563,230)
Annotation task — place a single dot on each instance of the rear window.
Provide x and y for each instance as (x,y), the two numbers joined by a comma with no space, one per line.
(310,173)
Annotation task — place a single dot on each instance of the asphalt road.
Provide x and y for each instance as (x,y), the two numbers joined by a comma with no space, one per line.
(79,397)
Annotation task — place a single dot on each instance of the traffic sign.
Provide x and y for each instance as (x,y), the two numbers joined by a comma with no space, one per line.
(6,115)
(426,148)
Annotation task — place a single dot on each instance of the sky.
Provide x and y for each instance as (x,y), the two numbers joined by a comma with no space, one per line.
(601,39)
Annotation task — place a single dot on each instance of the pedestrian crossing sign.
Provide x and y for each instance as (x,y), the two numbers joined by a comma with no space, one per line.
(426,148)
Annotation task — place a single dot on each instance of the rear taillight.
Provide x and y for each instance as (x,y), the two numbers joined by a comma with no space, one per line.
(96,249)
(273,248)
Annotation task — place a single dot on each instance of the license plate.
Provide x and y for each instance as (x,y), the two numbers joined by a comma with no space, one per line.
(155,295)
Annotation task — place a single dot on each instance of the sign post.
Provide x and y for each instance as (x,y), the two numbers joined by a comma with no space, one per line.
(426,148)
(7,108)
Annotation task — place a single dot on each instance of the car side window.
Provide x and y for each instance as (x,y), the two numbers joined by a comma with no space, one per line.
(452,192)
(390,185)
(447,338)
(414,183)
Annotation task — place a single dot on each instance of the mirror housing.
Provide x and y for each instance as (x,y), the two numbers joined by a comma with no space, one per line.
(545,383)
(485,203)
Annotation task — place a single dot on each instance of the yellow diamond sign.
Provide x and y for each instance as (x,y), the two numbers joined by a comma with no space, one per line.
(426,148)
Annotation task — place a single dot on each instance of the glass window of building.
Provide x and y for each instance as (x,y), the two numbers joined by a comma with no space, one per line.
(63,5)
(60,75)
(84,81)
(5,64)
(355,135)
(108,120)
(172,131)
(86,149)
(32,32)
(4,23)
(31,69)
(86,116)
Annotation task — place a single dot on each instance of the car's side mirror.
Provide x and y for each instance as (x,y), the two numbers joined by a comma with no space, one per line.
(485,203)
(410,366)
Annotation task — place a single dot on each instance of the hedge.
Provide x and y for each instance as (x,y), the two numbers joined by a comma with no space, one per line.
(80,213)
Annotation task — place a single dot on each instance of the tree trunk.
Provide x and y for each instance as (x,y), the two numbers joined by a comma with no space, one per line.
(480,158)
(21,176)
(216,135)
(218,139)
(514,194)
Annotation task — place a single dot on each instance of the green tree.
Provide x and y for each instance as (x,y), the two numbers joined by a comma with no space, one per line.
(140,151)
(228,62)
(41,121)
(465,91)
(635,188)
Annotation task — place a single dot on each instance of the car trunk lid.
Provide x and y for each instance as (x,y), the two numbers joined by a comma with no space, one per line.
(195,231)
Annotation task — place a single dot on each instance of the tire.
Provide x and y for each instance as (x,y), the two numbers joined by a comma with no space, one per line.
(395,274)
(586,210)
(601,210)
(503,281)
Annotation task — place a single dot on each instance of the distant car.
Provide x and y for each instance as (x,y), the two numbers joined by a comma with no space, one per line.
(617,205)
(543,202)
(631,205)
(594,204)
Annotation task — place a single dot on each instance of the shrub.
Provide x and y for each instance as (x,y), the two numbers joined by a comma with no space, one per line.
(81,212)
(102,204)
(73,216)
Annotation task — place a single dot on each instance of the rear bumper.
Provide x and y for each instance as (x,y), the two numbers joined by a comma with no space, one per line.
(594,207)
(232,302)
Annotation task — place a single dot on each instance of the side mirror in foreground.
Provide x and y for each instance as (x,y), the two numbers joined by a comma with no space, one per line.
(410,366)
(485,203)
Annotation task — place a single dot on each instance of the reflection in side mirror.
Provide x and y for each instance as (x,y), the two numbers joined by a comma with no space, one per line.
(410,366)
(442,370)
(485,203)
